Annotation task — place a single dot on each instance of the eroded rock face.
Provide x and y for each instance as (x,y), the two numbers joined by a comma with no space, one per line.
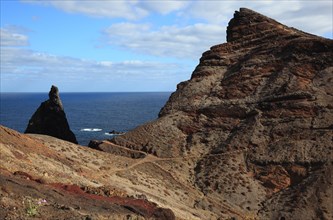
(50,119)
(255,108)
(269,83)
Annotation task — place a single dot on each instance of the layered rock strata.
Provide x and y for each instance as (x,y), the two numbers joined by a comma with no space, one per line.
(254,122)
(50,119)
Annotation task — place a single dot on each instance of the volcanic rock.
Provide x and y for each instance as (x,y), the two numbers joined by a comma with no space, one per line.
(249,136)
(50,119)
(254,119)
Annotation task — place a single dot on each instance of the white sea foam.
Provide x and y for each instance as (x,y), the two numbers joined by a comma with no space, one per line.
(91,129)
(107,133)
(110,134)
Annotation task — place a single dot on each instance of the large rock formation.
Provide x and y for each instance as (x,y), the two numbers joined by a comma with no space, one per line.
(50,119)
(249,136)
(254,122)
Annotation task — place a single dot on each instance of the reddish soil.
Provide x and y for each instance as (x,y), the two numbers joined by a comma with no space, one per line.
(139,206)
(64,199)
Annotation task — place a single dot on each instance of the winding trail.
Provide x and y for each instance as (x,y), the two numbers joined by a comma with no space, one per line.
(149,158)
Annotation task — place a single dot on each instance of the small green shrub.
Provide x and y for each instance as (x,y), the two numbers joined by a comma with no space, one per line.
(32,205)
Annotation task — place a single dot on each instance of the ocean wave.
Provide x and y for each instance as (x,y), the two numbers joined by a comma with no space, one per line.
(108,134)
(91,129)
(111,134)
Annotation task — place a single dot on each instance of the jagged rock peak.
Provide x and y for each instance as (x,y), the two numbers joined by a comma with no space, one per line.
(254,123)
(247,23)
(50,119)
(54,96)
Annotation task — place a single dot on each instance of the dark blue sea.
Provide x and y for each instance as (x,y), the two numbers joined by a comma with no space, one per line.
(90,115)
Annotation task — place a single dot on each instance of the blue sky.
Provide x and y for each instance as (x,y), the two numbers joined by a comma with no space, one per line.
(113,46)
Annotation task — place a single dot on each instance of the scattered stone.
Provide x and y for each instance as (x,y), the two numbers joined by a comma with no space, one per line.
(116,132)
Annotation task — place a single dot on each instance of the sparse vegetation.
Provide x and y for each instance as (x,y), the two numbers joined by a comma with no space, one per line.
(32,205)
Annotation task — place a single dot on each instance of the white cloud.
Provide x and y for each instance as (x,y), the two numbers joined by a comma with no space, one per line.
(22,68)
(23,65)
(190,41)
(18,60)
(10,38)
(164,7)
(310,16)
(315,17)
(170,41)
(23,61)
(111,9)
(128,9)
(193,29)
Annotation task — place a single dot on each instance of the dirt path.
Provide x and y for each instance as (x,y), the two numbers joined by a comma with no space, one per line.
(153,159)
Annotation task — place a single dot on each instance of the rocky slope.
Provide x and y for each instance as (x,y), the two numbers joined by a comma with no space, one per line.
(76,182)
(249,136)
(256,121)
(50,119)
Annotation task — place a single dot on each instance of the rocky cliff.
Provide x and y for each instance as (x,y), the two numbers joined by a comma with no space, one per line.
(249,136)
(255,122)
(50,119)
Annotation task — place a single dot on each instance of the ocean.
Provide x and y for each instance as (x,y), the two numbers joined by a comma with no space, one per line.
(90,115)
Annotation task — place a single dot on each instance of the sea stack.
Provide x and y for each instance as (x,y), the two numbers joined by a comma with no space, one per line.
(50,119)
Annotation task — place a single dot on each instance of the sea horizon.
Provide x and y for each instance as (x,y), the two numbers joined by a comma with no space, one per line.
(93,92)
(91,115)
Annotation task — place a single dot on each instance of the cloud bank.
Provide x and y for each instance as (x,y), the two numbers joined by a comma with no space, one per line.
(179,31)
(311,16)
(197,25)
(187,42)
(9,38)
(20,64)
